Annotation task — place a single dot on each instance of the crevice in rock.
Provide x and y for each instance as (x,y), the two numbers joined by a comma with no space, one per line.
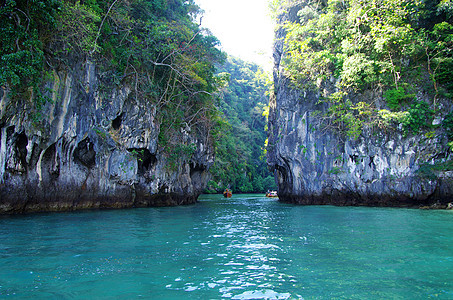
(163,189)
(3,135)
(354,158)
(50,163)
(145,159)
(371,161)
(84,153)
(196,168)
(35,154)
(282,176)
(116,123)
(21,148)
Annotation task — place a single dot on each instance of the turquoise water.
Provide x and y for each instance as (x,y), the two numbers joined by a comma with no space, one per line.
(246,247)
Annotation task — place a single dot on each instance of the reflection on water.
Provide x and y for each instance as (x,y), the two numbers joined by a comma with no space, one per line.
(245,247)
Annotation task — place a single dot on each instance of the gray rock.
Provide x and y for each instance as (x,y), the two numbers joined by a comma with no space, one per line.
(316,165)
(94,146)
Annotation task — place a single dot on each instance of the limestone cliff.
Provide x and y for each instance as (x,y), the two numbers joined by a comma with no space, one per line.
(95,145)
(316,165)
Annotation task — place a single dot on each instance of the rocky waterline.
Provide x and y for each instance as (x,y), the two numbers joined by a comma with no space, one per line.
(315,164)
(95,145)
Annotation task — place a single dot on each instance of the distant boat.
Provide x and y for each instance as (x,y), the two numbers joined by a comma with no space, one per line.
(227,193)
(271,194)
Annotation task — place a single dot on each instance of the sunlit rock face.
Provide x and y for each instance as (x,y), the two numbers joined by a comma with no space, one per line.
(95,145)
(316,165)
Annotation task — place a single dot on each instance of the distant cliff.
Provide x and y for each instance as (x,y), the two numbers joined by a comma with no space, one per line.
(318,164)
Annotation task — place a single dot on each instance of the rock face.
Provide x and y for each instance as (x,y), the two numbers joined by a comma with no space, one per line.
(94,146)
(314,165)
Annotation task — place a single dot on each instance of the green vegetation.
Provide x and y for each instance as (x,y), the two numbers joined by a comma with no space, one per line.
(180,152)
(24,29)
(155,47)
(429,170)
(158,49)
(240,160)
(392,49)
(397,97)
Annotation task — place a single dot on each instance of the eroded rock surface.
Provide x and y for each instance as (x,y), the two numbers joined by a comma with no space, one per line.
(94,146)
(316,165)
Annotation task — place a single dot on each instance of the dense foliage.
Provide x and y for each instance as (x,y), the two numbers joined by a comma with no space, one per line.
(154,46)
(240,163)
(158,49)
(24,27)
(393,49)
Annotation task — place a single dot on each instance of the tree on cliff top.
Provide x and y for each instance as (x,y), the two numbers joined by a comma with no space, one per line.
(154,46)
(391,47)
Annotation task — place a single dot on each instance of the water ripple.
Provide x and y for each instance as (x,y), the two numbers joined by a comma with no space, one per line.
(247,247)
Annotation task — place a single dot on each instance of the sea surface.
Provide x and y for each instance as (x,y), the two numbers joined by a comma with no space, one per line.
(245,247)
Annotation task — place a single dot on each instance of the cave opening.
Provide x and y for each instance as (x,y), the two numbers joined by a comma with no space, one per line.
(196,168)
(85,154)
(21,148)
(145,159)
(50,163)
(116,123)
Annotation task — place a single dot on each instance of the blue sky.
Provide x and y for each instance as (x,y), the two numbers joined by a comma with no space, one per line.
(244,27)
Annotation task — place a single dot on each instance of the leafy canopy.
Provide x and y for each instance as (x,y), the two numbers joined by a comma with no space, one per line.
(154,46)
(389,47)
(240,162)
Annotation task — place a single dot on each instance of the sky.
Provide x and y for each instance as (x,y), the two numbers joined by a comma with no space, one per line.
(244,28)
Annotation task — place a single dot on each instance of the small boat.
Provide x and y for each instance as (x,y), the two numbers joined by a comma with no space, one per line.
(271,194)
(227,193)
